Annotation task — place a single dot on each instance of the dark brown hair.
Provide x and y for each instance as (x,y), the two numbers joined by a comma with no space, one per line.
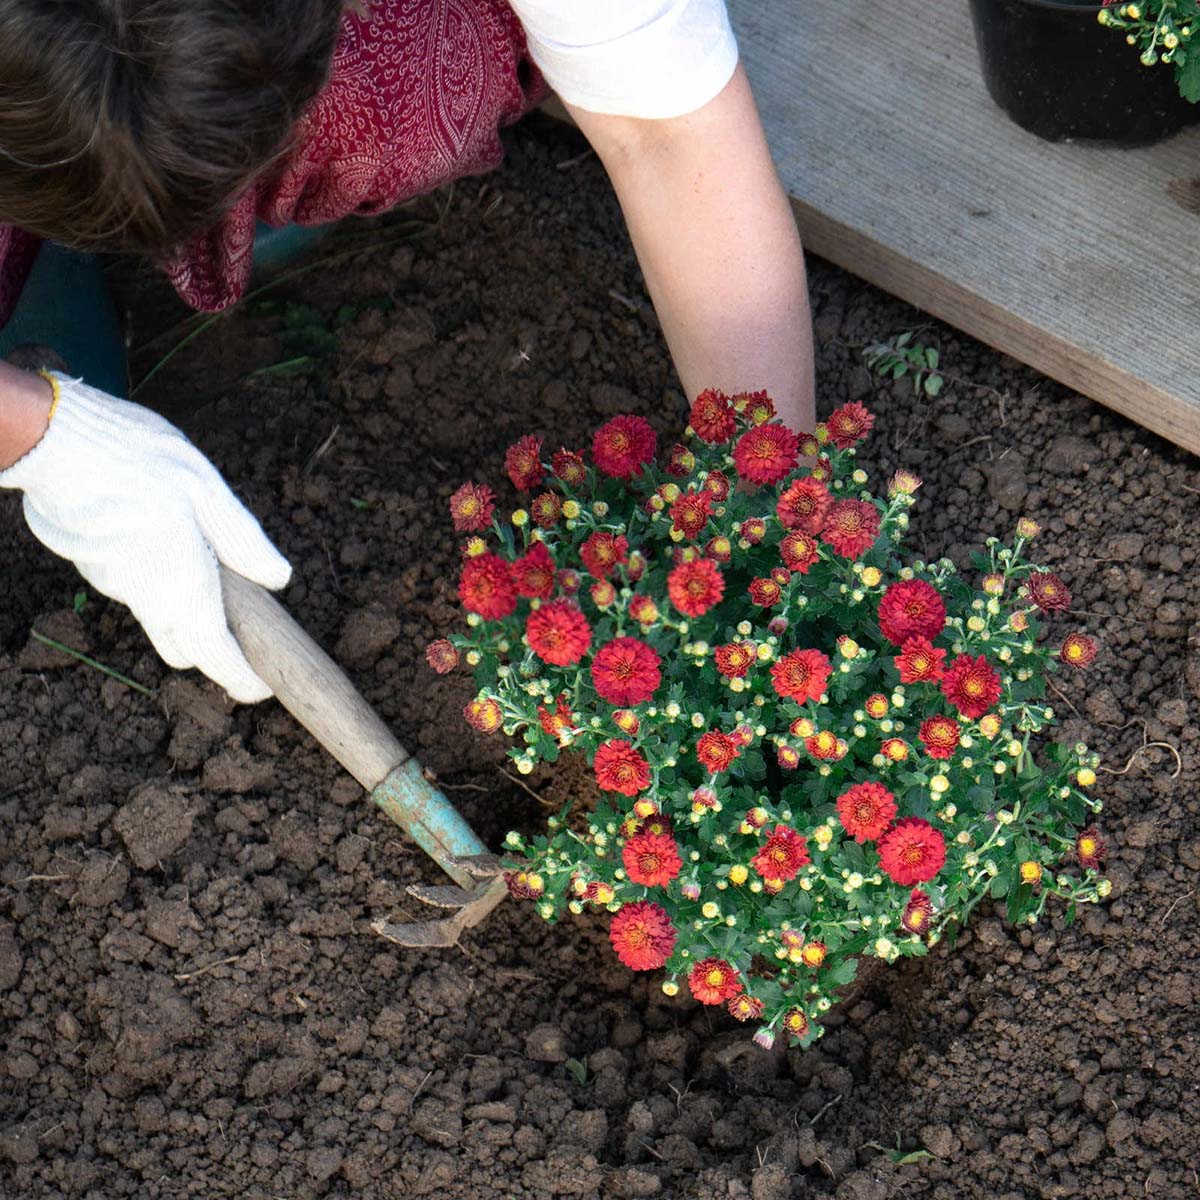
(132,124)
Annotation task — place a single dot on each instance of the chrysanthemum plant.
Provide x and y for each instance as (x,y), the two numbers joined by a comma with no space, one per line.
(808,752)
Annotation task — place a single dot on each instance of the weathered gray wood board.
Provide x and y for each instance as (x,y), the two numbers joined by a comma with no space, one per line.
(1072,259)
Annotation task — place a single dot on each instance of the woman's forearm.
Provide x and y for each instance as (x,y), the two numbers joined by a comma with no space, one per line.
(25,400)
(718,246)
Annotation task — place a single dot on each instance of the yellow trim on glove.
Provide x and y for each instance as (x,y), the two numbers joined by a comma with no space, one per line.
(53,382)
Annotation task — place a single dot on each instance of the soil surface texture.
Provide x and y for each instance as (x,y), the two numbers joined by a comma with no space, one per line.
(192,1000)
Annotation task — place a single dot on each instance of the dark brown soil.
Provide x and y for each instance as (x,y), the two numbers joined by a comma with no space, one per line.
(193,1002)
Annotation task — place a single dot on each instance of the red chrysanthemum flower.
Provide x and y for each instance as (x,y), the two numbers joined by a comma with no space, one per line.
(712,418)
(620,768)
(920,661)
(484,713)
(787,757)
(851,527)
(559,724)
(812,954)
(522,461)
(533,572)
(911,608)
(603,593)
(825,745)
(801,675)
(939,736)
(799,550)
(716,483)
(719,549)
(689,513)
(558,633)
(545,509)
(782,854)
(755,408)
(623,445)
(625,671)
(918,913)
(803,505)
(603,552)
(441,656)
(795,1022)
(971,685)
(681,461)
(765,592)
(1048,592)
(912,851)
(753,530)
(642,935)
(1078,650)
(651,859)
(569,581)
(866,810)
(471,507)
(735,659)
(745,1007)
(765,453)
(524,885)
(716,750)
(894,749)
(849,424)
(486,587)
(713,981)
(694,587)
(643,609)
(569,467)
(1089,848)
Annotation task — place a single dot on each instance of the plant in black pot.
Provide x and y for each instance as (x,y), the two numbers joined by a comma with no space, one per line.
(1056,68)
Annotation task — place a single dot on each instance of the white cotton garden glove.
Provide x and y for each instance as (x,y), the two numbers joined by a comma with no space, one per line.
(145,517)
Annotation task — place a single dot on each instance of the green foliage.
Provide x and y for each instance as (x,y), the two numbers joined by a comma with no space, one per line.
(1162,31)
(900,356)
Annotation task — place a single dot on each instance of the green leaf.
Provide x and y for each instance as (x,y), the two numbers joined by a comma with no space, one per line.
(902,1159)
(931,356)
(80,601)
(1187,75)
(577,1069)
(999,888)
(933,385)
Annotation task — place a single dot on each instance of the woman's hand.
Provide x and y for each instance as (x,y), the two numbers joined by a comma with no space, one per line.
(143,515)
(718,245)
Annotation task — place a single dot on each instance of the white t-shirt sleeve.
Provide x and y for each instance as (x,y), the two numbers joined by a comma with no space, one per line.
(633,58)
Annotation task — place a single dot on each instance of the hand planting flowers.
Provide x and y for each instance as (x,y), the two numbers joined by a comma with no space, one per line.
(809,752)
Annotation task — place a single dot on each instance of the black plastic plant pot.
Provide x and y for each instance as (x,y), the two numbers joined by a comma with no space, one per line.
(1057,72)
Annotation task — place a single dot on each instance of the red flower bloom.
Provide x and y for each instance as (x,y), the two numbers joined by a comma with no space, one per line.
(603,593)
(680,461)
(939,736)
(803,505)
(919,661)
(1078,650)
(765,453)
(765,592)
(911,608)
(753,530)
(620,768)
(866,810)
(801,675)
(894,749)
(1048,592)
(643,609)
(522,461)
(569,467)
(755,408)
(825,745)
(689,513)
(745,1007)
(712,418)
(441,656)
(782,854)
(735,659)
(545,509)
(912,851)
(849,424)
(471,507)
(486,587)
(533,572)
(851,527)
(484,713)
(971,685)
(602,552)
(558,633)
(651,859)
(795,1022)
(787,758)
(799,550)
(694,587)
(559,724)
(719,548)
(625,671)
(918,912)
(716,483)
(621,446)
(713,981)
(642,935)
(1089,849)
(716,750)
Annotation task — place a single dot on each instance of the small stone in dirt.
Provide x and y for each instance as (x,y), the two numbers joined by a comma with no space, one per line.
(1124,547)
(546,1043)
(939,1140)
(64,625)
(324,1162)
(631,1182)
(102,881)
(1007,484)
(367,633)
(153,823)
(808,1149)
(1069,455)
(770,1182)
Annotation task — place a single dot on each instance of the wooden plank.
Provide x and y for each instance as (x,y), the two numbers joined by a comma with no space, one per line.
(1070,258)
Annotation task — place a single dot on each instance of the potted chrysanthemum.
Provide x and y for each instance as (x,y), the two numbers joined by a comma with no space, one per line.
(1055,67)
